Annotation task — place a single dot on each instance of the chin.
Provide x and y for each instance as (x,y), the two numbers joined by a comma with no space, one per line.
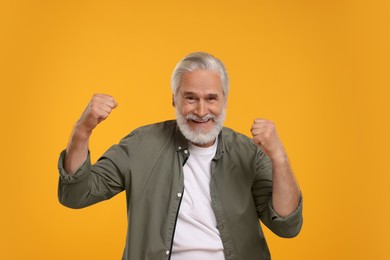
(198,134)
(200,129)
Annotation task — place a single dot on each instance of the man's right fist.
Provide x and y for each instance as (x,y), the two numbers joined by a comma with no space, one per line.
(97,110)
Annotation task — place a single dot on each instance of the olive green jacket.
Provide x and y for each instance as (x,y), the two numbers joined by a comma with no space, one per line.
(148,165)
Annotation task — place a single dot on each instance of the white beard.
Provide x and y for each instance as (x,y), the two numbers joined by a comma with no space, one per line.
(200,136)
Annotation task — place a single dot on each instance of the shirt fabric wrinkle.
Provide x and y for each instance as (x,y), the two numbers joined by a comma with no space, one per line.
(148,164)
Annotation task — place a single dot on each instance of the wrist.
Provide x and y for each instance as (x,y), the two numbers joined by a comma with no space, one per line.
(279,158)
(81,133)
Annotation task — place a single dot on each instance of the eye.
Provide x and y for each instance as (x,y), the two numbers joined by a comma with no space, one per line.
(190,99)
(211,98)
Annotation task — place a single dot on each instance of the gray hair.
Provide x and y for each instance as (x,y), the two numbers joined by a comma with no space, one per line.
(199,61)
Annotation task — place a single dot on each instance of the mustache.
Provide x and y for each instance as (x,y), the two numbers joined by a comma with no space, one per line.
(204,118)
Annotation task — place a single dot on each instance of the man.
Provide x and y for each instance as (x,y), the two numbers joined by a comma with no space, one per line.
(194,189)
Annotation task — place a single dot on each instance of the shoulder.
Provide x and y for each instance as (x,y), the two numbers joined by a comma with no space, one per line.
(145,143)
(236,141)
(239,147)
(152,133)
(160,127)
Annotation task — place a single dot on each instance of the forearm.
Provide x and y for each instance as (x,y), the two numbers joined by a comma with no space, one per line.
(77,149)
(285,190)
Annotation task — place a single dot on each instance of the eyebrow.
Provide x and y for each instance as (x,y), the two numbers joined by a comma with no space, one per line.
(213,95)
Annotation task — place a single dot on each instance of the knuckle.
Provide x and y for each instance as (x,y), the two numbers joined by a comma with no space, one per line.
(94,110)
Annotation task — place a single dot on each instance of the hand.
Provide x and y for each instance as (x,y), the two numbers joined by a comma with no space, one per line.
(98,109)
(265,136)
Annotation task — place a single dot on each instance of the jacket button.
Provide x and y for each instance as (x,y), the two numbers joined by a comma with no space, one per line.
(179,195)
(167,252)
(185,151)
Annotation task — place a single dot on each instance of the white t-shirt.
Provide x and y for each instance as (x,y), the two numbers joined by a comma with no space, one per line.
(196,234)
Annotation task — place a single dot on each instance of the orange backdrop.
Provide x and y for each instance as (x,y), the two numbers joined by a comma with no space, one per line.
(319,69)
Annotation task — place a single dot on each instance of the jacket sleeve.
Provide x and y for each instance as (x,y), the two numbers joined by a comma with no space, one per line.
(286,227)
(94,183)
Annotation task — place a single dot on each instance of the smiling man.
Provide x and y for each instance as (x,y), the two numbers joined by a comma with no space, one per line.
(200,106)
(195,189)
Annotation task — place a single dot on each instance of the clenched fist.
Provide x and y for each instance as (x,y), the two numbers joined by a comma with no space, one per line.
(97,110)
(265,136)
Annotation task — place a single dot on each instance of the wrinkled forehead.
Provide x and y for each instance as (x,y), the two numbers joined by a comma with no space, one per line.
(201,81)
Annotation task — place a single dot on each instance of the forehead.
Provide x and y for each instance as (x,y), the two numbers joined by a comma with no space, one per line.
(201,81)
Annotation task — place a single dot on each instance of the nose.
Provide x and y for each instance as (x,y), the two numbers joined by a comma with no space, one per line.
(201,109)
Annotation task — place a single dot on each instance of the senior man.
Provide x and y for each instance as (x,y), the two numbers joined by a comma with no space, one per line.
(194,189)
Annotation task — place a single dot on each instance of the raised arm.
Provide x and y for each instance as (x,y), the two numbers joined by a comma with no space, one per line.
(285,190)
(98,109)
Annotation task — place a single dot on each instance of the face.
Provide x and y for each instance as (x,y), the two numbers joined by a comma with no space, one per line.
(200,107)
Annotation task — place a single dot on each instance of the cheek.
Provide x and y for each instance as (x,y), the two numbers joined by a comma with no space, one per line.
(185,109)
(216,110)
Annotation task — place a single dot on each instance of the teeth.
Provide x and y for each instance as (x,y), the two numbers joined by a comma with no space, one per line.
(196,121)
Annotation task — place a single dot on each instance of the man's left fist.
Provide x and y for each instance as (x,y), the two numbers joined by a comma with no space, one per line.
(265,136)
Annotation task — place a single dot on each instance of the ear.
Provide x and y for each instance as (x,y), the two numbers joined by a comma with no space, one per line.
(173,101)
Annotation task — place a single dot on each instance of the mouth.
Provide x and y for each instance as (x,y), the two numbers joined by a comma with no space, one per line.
(200,121)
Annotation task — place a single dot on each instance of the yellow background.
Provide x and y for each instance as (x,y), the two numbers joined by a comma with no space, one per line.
(319,69)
